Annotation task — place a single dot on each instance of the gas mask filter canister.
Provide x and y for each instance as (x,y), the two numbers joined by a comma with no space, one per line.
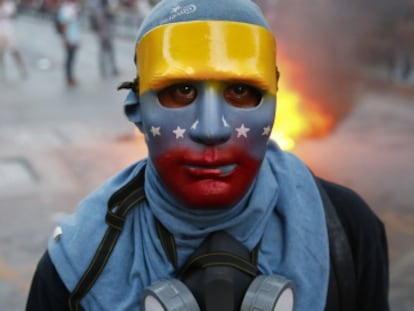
(219,276)
(266,293)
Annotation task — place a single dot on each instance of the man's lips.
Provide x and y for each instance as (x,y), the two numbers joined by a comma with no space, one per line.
(210,170)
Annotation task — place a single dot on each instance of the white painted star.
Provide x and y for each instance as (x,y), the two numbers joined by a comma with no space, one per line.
(194,126)
(175,9)
(242,131)
(179,132)
(266,131)
(224,122)
(155,131)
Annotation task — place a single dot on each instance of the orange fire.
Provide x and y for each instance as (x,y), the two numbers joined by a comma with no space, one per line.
(295,119)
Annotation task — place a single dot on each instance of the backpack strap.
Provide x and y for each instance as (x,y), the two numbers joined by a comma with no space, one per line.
(120,203)
(342,282)
(167,242)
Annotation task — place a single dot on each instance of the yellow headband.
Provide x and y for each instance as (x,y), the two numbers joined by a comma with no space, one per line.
(207,50)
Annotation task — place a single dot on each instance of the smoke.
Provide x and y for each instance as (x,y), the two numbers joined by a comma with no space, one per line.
(322,43)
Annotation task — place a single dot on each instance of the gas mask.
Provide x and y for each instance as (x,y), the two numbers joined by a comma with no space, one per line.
(220,276)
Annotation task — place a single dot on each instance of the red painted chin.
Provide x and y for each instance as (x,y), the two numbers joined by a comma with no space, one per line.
(211,180)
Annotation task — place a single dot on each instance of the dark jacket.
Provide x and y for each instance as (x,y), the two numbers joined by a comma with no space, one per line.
(359,259)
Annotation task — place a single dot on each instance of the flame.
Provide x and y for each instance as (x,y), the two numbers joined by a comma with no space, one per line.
(298,117)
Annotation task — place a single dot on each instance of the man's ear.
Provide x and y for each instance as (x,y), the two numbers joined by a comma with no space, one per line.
(132,109)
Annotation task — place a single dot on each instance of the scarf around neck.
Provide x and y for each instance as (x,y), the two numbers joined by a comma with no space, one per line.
(282,211)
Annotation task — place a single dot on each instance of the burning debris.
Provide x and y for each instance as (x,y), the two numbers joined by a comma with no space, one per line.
(318,46)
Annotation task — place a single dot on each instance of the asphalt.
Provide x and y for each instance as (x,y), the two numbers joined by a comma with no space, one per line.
(58,144)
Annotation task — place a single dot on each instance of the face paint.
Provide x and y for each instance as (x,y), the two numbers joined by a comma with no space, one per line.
(207,101)
(206,50)
(208,148)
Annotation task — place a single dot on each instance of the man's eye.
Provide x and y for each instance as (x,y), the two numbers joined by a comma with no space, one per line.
(177,95)
(242,95)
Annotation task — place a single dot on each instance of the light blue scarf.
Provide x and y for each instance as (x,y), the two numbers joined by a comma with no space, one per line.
(283,211)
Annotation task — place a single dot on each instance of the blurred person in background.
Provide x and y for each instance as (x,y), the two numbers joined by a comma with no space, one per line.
(8,39)
(68,23)
(144,7)
(402,62)
(217,217)
(400,36)
(103,23)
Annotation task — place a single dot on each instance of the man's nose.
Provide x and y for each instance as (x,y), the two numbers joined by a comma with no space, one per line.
(210,126)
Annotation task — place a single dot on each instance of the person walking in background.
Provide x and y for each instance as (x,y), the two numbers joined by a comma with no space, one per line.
(145,6)
(400,62)
(102,20)
(7,38)
(69,29)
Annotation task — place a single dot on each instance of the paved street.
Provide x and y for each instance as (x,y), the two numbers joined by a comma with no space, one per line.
(57,144)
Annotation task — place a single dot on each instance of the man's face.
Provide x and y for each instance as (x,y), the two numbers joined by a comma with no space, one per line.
(207,139)
(207,101)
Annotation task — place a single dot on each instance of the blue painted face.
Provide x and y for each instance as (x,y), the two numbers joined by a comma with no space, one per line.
(207,139)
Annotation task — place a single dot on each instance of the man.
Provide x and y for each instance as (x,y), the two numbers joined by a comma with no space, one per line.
(8,38)
(103,18)
(69,28)
(217,217)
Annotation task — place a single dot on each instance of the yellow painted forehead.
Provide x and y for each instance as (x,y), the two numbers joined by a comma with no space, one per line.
(207,50)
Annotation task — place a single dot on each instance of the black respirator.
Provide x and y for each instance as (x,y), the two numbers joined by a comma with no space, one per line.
(220,276)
